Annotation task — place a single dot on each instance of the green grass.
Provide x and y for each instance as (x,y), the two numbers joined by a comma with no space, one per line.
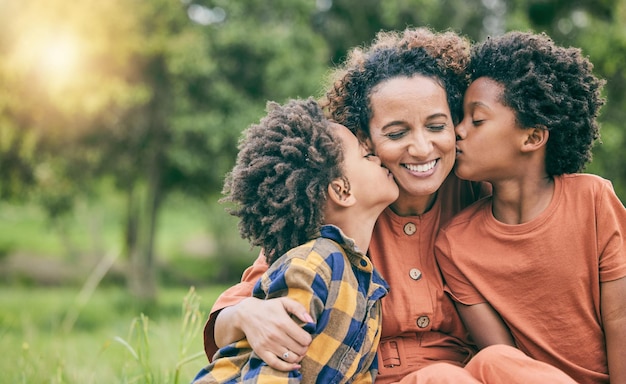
(110,342)
(92,227)
(196,242)
(56,334)
(19,225)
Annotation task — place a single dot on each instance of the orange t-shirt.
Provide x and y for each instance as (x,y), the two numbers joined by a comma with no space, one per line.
(543,276)
(420,324)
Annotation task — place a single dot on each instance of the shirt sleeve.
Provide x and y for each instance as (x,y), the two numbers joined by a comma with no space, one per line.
(230,297)
(455,282)
(305,280)
(611,234)
(298,279)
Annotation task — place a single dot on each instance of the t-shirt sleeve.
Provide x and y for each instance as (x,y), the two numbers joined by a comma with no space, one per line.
(230,297)
(611,219)
(455,282)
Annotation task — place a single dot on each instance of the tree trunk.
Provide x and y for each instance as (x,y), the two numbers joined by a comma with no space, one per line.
(146,202)
(143,207)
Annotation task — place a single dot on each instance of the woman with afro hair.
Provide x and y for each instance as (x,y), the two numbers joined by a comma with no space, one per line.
(541,264)
(308,193)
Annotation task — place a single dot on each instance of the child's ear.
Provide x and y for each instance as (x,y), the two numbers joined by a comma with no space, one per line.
(536,138)
(339,193)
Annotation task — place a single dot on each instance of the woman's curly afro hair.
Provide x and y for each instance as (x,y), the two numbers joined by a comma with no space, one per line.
(547,86)
(279,182)
(415,51)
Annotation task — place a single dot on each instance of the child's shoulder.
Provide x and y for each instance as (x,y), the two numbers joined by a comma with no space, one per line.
(584,179)
(314,253)
(584,183)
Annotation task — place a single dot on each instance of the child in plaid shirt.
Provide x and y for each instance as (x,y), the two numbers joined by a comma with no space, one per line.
(309,194)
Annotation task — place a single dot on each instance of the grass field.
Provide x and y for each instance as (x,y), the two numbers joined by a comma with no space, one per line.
(48,337)
(52,332)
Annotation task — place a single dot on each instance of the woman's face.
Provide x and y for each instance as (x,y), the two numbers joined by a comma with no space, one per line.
(411,131)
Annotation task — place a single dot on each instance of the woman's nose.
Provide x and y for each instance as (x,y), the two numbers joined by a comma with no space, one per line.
(420,145)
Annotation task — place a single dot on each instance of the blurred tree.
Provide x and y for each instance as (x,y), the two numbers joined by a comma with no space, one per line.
(161,95)
(348,23)
(154,94)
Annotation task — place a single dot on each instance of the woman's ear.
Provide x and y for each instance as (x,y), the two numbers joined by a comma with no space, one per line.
(339,193)
(536,138)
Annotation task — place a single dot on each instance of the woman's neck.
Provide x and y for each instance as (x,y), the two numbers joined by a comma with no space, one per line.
(413,205)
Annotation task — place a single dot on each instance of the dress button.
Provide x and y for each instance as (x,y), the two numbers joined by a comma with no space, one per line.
(423,321)
(363,263)
(415,274)
(409,228)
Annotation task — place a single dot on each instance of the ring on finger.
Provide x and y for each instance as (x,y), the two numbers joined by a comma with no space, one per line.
(286,355)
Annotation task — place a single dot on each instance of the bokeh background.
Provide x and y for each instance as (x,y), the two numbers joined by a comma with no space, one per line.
(118,122)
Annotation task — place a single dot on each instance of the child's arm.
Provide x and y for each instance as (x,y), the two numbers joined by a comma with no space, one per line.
(613,309)
(484,325)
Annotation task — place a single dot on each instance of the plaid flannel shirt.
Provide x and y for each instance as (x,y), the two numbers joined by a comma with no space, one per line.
(341,290)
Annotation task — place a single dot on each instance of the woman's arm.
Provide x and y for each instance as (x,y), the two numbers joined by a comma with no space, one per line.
(613,309)
(269,328)
(236,314)
(485,325)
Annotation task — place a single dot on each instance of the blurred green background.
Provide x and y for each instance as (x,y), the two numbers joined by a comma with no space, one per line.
(119,119)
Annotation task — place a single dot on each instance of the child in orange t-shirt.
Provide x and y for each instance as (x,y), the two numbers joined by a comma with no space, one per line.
(541,264)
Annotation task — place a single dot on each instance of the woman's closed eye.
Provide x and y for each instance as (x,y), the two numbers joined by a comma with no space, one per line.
(437,127)
(395,135)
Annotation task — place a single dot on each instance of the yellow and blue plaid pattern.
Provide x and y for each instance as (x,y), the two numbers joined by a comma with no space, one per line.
(341,290)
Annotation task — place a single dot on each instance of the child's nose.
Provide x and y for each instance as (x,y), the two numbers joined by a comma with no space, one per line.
(460,130)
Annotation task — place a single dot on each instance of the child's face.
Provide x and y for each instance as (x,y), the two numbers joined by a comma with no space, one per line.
(489,138)
(372,184)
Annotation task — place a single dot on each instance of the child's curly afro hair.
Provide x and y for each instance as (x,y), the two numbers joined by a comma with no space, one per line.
(547,86)
(280,179)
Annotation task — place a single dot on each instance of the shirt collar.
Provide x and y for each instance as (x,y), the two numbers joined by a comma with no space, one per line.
(334,233)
